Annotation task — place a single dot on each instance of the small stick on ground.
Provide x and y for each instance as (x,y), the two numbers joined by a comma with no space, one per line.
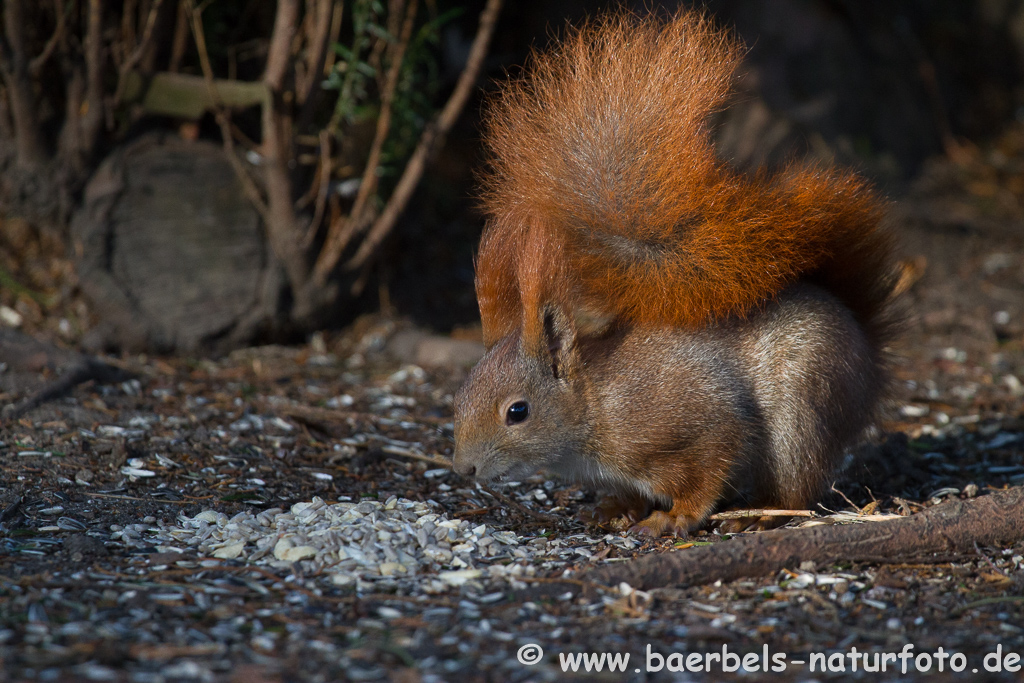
(740,514)
(540,516)
(954,526)
(848,501)
(331,420)
(87,370)
(415,455)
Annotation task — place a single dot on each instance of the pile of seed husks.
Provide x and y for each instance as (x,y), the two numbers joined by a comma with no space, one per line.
(398,541)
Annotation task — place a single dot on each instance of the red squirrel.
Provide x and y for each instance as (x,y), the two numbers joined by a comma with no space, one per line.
(659,325)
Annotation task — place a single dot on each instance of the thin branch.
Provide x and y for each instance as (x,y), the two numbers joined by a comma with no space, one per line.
(430,138)
(180,40)
(434,460)
(136,55)
(88,369)
(325,186)
(279,53)
(94,116)
(368,186)
(342,230)
(282,225)
(128,9)
(742,514)
(316,53)
(248,185)
(147,35)
(332,56)
(328,18)
(37,64)
(14,68)
(14,30)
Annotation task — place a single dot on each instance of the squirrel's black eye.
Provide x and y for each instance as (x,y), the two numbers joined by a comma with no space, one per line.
(517,412)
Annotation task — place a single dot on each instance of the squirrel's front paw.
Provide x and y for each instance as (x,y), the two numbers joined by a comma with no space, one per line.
(659,522)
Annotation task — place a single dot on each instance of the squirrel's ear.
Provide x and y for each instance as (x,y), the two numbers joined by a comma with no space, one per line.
(560,339)
(591,321)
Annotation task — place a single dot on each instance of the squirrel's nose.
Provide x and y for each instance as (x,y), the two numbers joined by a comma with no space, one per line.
(464,468)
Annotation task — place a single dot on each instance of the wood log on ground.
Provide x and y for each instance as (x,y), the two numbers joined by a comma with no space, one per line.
(954,526)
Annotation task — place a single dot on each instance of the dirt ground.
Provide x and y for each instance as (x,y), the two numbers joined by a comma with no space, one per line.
(91,478)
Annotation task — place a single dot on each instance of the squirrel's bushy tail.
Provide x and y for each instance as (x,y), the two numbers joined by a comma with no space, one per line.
(603,152)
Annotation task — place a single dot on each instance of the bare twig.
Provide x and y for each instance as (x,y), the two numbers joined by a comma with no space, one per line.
(339,7)
(986,601)
(316,53)
(846,498)
(331,420)
(128,8)
(343,229)
(14,69)
(160,501)
(740,514)
(415,455)
(279,51)
(282,224)
(320,59)
(133,59)
(248,185)
(429,139)
(434,132)
(37,64)
(94,116)
(369,181)
(325,185)
(87,370)
(181,31)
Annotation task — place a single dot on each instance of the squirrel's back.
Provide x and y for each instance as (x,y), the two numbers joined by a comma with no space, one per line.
(787,389)
(605,195)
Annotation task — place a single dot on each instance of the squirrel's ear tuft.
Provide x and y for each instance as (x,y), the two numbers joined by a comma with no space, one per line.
(591,320)
(560,341)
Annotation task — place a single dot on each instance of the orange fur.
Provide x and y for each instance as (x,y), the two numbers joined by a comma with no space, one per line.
(605,193)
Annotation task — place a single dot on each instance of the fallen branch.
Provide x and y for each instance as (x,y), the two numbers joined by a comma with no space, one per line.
(329,420)
(954,526)
(741,514)
(87,370)
(435,460)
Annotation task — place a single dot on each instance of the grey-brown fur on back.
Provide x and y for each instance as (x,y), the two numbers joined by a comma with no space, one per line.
(817,379)
(780,394)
